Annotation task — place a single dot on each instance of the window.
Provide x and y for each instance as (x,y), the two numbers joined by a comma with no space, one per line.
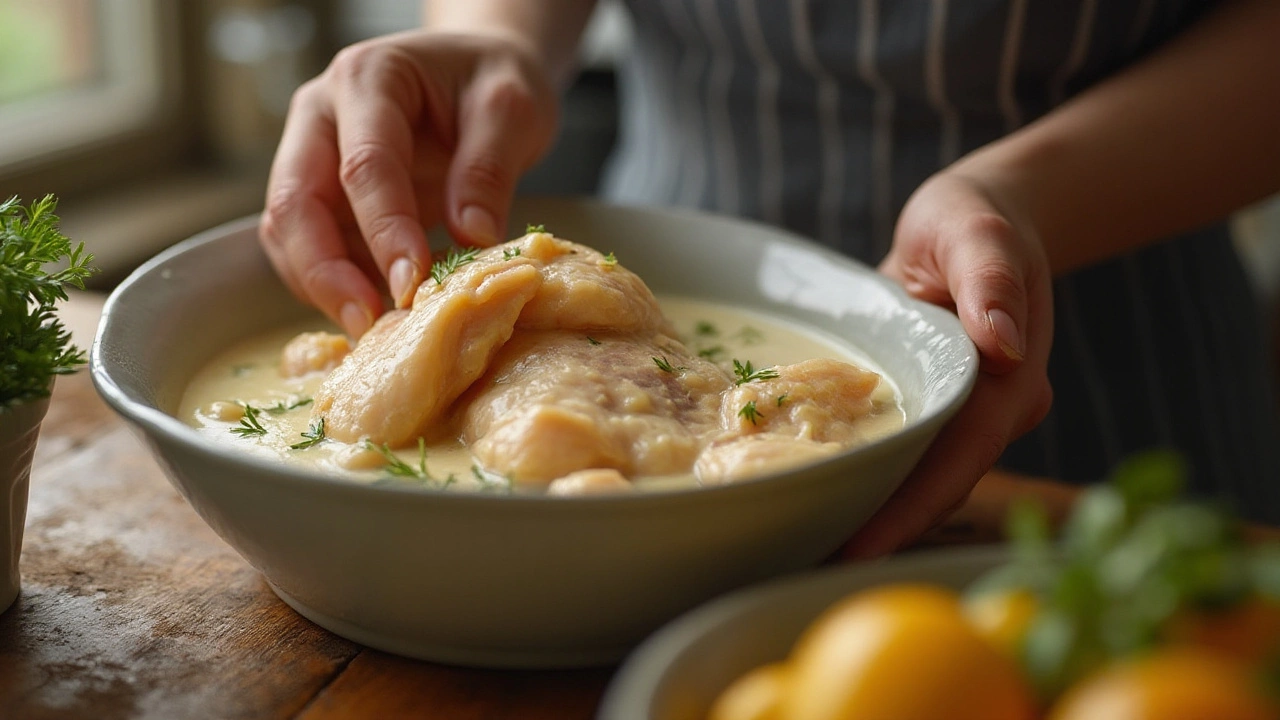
(76,74)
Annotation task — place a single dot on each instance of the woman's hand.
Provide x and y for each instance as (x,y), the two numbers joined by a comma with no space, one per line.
(399,134)
(959,246)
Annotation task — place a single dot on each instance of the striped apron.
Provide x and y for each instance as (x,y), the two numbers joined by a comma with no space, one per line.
(822,116)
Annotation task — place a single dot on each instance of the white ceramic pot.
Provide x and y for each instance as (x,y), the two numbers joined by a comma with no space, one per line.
(19,428)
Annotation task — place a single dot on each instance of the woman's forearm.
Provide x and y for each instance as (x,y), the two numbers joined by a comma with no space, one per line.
(550,29)
(1178,140)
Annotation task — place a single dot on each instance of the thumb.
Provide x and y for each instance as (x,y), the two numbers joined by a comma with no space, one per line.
(500,136)
(988,281)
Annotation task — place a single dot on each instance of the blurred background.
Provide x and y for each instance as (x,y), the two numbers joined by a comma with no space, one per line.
(155,119)
(152,120)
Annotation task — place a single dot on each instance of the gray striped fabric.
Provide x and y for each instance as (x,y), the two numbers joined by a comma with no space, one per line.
(824,115)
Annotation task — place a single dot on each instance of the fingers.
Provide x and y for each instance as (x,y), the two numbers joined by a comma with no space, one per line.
(962,453)
(503,130)
(376,96)
(299,230)
(989,284)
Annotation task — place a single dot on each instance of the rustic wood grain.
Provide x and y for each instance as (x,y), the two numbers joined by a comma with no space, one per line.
(132,607)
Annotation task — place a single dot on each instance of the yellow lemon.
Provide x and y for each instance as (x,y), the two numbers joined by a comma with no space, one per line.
(902,652)
(1003,616)
(1172,684)
(754,696)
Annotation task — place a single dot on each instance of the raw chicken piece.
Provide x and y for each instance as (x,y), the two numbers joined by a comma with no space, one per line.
(558,402)
(396,383)
(584,290)
(810,410)
(590,482)
(742,457)
(313,352)
(820,400)
(403,374)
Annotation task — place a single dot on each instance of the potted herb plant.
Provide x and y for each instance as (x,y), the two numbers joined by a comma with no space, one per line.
(37,263)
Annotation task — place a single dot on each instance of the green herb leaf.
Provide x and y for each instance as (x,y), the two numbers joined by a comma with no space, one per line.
(281,407)
(746,373)
(748,335)
(453,260)
(313,436)
(705,328)
(782,398)
(250,425)
(530,229)
(610,260)
(592,340)
(511,252)
(398,467)
(492,481)
(750,412)
(712,353)
(34,344)
(665,365)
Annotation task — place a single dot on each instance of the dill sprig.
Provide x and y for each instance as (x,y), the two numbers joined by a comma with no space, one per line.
(34,344)
(665,365)
(750,413)
(610,260)
(748,335)
(530,229)
(313,436)
(705,328)
(746,373)
(782,398)
(281,407)
(398,467)
(711,353)
(592,340)
(511,252)
(491,481)
(452,260)
(250,425)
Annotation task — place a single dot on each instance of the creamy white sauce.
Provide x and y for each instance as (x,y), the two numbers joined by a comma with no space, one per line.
(247,373)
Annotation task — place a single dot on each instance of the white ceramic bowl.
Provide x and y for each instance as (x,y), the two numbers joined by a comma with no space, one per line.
(679,672)
(524,581)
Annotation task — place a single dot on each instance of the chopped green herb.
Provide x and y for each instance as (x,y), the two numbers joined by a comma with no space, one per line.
(712,353)
(592,340)
(781,399)
(746,373)
(453,260)
(610,260)
(704,328)
(748,335)
(491,481)
(249,426)
(530,229)
(750,412)
(400,468)
(313,436)
(665,365)
(511,252)
(281,407)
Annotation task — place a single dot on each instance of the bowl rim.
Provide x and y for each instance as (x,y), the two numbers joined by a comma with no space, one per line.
(154,421)
(632,689)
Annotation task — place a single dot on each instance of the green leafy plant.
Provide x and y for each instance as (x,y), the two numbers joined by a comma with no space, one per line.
(37,263)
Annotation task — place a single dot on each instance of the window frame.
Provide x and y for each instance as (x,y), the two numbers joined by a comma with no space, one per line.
(146,123)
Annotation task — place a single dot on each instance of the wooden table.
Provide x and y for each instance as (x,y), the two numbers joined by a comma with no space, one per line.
(132,607)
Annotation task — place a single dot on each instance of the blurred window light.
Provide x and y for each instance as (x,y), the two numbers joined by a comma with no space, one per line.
(76,72)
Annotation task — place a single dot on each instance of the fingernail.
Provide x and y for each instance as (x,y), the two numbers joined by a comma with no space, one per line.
(355,318)
(1006,332)
(479,224)
(404,279)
